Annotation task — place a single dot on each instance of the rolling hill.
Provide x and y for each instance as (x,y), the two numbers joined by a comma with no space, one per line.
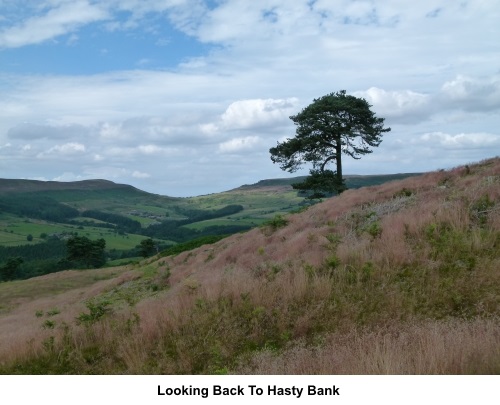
(31,212)
(399,278)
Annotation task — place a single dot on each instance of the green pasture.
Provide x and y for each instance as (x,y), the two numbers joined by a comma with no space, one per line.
(12,239)
(16,233)
(86,219)
(118,201)
(255,202)
(224,222)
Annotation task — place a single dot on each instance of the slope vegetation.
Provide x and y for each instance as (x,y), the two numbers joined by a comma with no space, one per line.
(400,278)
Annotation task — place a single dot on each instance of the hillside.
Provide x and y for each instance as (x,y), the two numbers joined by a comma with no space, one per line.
(400,278)
(37,217)
(352,181)
(36,186)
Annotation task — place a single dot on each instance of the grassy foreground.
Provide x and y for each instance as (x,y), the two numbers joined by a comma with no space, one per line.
(402,278)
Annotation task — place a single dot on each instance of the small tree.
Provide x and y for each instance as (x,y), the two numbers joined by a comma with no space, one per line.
(83,250)
(9,269)
(329,127)
(148,247)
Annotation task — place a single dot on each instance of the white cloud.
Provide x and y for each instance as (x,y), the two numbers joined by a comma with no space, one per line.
(401,106)
(473,94)
(67,149)
(110,131)
(257,113)
(57,21)
(465,141)
(144,62)
(239,144)
(30,131)
(140,175)
(156,150)
(429,67)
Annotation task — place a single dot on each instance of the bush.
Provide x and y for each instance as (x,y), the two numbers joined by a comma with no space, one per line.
(96,311)
(277,222)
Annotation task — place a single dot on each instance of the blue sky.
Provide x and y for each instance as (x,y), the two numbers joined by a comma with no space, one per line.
(185,97)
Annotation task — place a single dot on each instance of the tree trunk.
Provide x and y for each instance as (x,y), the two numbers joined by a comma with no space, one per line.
(340,180)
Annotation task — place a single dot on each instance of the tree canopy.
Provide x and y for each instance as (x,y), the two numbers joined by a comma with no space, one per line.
(83,250)
(329,127)
(9,269)
(148,247)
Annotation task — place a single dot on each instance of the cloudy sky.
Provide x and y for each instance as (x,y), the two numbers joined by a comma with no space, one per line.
(185,97)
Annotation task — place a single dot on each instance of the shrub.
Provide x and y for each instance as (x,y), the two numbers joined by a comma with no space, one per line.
(96,311)
(479,210)
(277,222)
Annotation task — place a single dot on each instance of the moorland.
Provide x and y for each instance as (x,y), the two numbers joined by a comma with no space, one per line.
(37,218)
(396,278)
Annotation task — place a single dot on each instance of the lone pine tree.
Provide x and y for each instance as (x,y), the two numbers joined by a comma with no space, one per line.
(329,127)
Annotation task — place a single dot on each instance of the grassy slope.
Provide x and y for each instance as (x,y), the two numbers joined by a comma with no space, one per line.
(261,201)
(22,228)
(399,278)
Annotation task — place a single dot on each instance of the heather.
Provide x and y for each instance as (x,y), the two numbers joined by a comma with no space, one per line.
(401,278)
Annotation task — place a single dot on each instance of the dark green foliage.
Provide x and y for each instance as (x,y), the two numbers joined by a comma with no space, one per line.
(222,230)
(38,259)
(122,223)
(453,248)
(320,184)
(332,125)
(51,248)
(404,192)
(374,229)
(97,309)
(85,251)
(195,215)
(192,244)
(48,324)
(276,222)
(148,247)
(175,230)
(480,209)
(8,270)
(35,206)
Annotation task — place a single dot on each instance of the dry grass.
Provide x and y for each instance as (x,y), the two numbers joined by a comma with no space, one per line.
(432,347)
(400,278)
(64,292)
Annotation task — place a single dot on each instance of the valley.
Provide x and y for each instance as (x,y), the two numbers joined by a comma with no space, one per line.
(397,278)
(34,212)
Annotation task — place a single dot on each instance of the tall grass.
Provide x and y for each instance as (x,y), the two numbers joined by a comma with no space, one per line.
(431,347)
(395,279)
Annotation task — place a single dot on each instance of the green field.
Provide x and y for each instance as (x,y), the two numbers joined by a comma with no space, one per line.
(260,201)
(15,232)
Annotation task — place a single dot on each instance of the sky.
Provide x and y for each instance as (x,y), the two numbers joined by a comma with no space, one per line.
(185,97)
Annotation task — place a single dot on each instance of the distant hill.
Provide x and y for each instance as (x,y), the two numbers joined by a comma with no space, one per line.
(36,186)
(396,279)
(34,213)
(352,181)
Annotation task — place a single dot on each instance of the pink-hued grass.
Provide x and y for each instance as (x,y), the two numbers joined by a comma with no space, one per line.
(431,347)
(401,278)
